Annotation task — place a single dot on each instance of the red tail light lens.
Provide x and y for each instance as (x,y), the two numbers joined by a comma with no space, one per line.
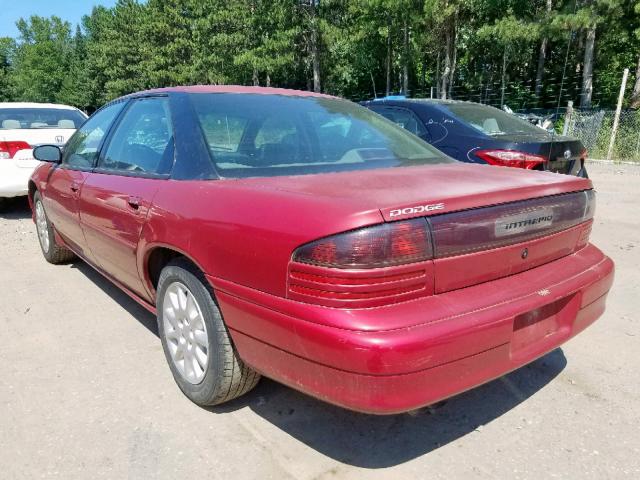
(511,158)
(371,247)
(9,149)
(502,225)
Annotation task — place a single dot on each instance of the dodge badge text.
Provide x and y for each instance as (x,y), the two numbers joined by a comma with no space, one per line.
(418,209)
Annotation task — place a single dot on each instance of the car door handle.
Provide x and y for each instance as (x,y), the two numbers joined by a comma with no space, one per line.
(134,202)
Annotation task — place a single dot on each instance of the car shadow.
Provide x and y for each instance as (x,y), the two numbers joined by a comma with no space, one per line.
(143,316)
(15,208)
(370,441)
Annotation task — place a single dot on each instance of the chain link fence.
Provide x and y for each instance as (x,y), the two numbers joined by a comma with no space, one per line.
(595,128)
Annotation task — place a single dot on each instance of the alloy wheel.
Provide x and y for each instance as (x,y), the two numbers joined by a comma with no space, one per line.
(185,332)
(42,227)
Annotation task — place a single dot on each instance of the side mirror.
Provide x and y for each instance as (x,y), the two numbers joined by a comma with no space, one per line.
(47,153)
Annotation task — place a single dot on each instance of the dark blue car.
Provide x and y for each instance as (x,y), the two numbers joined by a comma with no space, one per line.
(471,132)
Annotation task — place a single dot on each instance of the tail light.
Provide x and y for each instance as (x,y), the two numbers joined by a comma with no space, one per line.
(9,149)
(346,269)
(372,247)
(391,262)
(502,225)
(511,158)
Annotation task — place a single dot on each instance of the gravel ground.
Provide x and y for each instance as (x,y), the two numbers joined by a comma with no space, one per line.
(85,392)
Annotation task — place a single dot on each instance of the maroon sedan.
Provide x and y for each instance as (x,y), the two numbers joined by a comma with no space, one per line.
(308,239)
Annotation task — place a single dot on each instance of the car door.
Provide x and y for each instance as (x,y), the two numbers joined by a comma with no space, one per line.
(117,197)
(65,182)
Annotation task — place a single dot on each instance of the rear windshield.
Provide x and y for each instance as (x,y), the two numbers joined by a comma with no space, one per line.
(252,135)
(29,118)
(492,121)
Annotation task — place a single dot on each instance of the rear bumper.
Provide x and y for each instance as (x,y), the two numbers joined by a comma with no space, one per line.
(438,346)
(13,179)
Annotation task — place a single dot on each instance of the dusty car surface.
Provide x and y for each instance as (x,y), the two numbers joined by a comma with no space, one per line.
(305,238)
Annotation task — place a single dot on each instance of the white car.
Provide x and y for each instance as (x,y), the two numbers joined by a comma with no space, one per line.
(24,126)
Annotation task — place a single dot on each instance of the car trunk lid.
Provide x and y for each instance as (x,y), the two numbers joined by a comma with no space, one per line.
(449,187)
(34,137)
(498,212)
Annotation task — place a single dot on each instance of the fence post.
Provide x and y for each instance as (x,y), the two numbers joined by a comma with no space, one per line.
(567,118)
(616,119)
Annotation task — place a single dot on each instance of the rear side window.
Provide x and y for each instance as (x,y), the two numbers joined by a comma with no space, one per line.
(403,117)
(143,139)
(82,149)
(223,131)
(37,118)
(252,135)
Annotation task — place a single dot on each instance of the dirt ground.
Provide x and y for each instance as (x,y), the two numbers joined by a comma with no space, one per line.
(85,392)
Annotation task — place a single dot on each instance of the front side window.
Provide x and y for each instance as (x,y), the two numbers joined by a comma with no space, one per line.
(143,139)
(82,149)
(252,135)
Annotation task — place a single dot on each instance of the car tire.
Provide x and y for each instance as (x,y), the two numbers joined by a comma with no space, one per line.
(51,251)
(191,328)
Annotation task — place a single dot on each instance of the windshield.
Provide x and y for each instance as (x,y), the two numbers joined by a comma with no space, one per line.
(30,118)
(252,135)
(492,121)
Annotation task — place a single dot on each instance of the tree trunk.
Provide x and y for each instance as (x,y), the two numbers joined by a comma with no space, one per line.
(438,74)
(454,60)
(268,80)
(315,50)
(449,40)
(587,71)
(635,96)
(373,84)
(255,78)
(405,66)
(504,76)
(388,60)
(542,56)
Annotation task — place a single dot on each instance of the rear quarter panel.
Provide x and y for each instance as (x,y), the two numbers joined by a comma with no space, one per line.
(239,234)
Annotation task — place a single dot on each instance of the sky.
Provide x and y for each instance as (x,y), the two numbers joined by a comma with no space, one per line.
(71,10)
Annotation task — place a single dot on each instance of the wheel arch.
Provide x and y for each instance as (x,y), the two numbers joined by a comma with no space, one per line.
(156,257)
(32,190)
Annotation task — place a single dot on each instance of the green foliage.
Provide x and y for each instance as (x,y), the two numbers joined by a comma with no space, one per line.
(41,58)
(7,47)
(358,43)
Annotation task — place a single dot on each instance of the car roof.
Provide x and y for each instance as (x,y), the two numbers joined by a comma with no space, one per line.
(229,89)
(35,105)
(417,101)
